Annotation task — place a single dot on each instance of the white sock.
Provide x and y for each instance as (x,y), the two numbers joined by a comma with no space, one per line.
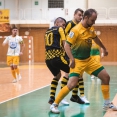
(107,101)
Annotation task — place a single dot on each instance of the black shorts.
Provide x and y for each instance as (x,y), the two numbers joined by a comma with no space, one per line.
(57,64)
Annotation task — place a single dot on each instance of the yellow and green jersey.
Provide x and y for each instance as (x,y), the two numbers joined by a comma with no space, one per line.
(53,42)
(95,49)
(81,40)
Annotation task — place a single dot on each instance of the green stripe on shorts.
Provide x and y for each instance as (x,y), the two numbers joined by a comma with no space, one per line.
(96,72)
(74,74)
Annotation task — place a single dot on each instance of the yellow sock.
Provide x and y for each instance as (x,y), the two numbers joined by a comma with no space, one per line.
(63,92)
(17,71)
(105,91)
(13,73)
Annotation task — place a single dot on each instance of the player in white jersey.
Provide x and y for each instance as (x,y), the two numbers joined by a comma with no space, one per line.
(15,49)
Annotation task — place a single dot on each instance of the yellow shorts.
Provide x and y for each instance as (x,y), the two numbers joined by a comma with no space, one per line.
(12,60)
(89,65)
(96,57)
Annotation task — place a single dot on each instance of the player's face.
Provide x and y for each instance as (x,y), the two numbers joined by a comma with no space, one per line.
(78,16)
(62,24)
(14,32)
(91,20)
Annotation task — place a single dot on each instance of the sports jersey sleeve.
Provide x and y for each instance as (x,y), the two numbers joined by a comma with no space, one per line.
(93,32)
(62,34)
(68,27)
(21,40)
(71,38)
(5,41)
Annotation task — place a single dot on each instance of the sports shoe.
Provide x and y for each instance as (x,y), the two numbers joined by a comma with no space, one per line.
(19,77)
(54,108)
(64,102)
(51,100)
(14,81)
(77,100)
(83,98)
(110,106)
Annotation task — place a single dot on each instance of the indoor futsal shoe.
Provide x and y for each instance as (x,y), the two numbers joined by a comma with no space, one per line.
(64,102)
(77,100)
(14,81)
(51,100)
(54,108)
(110,106)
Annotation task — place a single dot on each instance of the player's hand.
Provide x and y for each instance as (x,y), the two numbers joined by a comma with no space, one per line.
(102,55)
(72,64)
(21,53)
(105,52)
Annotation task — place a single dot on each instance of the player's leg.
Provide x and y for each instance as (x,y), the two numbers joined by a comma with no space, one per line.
(51,64)
(63,92)
(81,88)
(16,68)
(10,63)
(63,64)
(105,79)
(73,80)
(75,97)
(98,70)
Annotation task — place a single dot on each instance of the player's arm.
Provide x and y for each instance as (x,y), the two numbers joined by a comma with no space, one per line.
(22,45)
(62,34)
(71,39)
(69,53)
(5,42)
(97,41)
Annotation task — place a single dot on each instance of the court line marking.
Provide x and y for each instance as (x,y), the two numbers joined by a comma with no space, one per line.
(24,94)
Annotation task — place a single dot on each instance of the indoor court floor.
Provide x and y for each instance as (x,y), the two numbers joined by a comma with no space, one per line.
(29,97)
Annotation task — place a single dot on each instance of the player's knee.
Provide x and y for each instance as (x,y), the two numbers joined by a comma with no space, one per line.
(58,76)
(72,84)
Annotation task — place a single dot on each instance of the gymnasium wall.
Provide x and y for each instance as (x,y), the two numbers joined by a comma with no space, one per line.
(108,36)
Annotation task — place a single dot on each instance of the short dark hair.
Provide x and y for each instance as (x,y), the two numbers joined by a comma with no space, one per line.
(78,10)
(89,12)
(14,28)
(59,18)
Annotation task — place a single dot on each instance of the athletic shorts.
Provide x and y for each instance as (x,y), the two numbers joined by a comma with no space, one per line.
(57,64)
(12,60)
(96,57)
(89,65)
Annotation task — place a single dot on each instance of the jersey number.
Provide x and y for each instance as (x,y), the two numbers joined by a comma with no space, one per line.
(49,39)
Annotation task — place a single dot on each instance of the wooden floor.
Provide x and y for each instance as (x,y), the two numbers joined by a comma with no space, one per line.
(28,97)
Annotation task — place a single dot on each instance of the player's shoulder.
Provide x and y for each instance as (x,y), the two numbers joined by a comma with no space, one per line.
(8,37)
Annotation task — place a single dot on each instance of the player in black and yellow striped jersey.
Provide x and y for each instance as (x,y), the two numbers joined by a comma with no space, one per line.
(69,25)
(55,53)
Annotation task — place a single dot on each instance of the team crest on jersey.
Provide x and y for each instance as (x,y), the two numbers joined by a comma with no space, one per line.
(71,34)
(13,45)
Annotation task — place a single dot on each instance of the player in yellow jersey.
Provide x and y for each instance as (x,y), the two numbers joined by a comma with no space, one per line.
(15,49)
(78,14)
(77,47)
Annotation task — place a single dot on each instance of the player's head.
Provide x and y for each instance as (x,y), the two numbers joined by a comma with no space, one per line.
(14,31)
(90,17)
(60,22)
(78,15)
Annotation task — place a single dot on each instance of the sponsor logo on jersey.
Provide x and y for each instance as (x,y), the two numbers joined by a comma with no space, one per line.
(71,34)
